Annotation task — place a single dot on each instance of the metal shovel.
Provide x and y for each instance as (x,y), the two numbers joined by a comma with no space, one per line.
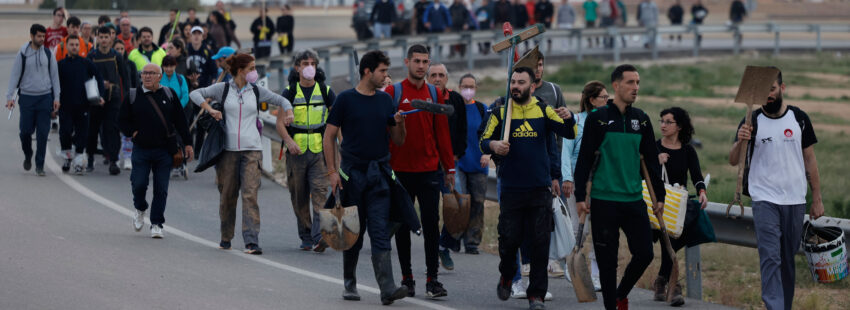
(340,226)
(577,261)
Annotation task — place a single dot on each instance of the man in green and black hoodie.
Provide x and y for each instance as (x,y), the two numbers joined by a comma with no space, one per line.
(621,133)
(525,174)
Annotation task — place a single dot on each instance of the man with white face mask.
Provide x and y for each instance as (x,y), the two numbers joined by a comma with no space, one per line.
(471,174)
(306,172)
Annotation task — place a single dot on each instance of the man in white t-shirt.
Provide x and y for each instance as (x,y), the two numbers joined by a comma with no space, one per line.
(781,157)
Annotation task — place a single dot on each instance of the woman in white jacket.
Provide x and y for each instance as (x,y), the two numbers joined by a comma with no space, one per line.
(238,168)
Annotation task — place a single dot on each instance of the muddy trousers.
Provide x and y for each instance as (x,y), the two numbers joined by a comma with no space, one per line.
(239,171)
(526,216)
(306,178)
(607,220)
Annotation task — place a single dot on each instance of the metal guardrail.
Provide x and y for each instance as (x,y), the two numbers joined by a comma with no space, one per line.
(471,38)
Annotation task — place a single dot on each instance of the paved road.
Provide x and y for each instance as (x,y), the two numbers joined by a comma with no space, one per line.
(68,244)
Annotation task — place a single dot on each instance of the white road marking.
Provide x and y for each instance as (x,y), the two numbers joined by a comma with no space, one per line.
(74,184)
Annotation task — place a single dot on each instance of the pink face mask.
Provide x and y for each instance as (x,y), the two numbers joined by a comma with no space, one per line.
(309,72)
(252,76)
(467,93)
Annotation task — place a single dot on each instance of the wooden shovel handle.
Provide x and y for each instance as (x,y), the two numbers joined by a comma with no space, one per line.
(674,274)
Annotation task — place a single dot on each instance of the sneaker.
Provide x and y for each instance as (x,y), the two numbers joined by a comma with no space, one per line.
(90,164)
(128,164)
(526,269)
(224,245)
(446,259)
(502,290)
(156,231)
(27,164)
(408,282)
(597,286)
(623,304)
(253,249)
(66,165)
(472,251)
(176,172)
(659,288)
(677,300)
(554,269)
(39,171)
(320,247)
(518,290)
(138,220)
(535,303)
(548,296)
(434,289)
(113,168)
(306,246)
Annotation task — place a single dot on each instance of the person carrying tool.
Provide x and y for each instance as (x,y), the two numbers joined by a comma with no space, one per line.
(621,133)
(113,69)
(416,163)
(305,164)
(525,170)
(780,159)
(74,71)
(364,177)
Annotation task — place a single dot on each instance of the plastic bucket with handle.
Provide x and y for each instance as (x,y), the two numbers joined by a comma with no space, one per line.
(826,252)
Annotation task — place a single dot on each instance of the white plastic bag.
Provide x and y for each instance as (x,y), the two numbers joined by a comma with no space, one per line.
(563,238)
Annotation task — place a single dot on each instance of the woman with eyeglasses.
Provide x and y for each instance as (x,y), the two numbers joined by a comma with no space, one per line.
(238,167)
(593,95)
(678,157)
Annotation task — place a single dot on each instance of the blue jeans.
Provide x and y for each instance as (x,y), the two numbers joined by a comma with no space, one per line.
(144,161)
(778,231)
(383,30)
(35,117)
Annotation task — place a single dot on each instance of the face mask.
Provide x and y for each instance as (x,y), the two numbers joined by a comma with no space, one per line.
(773,107)
(252,76)
(383,89)
(467,93)
(309,72)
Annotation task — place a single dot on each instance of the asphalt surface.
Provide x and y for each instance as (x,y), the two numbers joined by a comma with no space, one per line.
(67,243)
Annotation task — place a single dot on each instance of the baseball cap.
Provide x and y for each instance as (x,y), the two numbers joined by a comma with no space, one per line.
(197,28)
(224,52)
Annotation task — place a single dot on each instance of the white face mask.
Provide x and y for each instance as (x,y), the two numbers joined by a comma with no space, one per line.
(467,93)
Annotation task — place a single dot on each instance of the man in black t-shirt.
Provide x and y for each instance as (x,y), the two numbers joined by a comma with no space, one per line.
(364,177)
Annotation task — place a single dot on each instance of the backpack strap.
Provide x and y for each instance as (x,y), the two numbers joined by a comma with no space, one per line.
(23,69)
(481,109)
(224,93)
(180,81)
(257,96)
(433,90)
(324,90)
(168,93)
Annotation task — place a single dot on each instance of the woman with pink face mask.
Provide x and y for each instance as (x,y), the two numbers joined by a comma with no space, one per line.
(238,166)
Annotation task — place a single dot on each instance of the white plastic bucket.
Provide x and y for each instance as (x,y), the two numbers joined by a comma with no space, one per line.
(827,261)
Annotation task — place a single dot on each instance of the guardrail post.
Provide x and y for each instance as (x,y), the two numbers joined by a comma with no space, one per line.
(776,43)
(579,42)
(403,44)
(697,40)
(352,70)
(818,43)
(693,272)
(470,51)
(736,36)
(612,35)
(653,41)
(436,51)
(325,55)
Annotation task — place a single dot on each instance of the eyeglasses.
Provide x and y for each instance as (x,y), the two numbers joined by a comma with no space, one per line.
(663,122)
(603,97)
(150,73)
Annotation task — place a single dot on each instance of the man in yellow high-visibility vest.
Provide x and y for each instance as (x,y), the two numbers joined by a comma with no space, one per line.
(305,167)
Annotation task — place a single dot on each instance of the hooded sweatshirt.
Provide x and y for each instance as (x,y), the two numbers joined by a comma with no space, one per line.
(40,76)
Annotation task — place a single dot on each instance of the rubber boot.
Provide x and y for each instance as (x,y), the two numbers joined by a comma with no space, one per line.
(384,274)
(349,268)
(660,289)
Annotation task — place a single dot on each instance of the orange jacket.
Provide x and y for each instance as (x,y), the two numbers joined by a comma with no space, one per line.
(61,51)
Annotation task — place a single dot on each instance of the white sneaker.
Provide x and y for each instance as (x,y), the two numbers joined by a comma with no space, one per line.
(518,290)
(156,232)
(554,269)
(596,285)
(548,296)
(128,164)
(526,269)
(138,220)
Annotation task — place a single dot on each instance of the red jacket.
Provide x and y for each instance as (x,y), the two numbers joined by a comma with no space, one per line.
(427,143)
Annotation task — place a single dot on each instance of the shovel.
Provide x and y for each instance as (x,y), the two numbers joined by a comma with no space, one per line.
(340,226)
(754,88)
(674,274)
(456,213)
(577,261)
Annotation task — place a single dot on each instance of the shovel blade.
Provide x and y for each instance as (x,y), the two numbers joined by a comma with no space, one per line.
(456,213)
(340,227)
(580,274)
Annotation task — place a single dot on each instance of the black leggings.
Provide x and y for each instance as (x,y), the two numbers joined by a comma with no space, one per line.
(425,187)
(666,262)
(607,220)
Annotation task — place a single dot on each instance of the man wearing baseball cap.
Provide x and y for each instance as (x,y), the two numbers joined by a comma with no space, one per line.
(200,57)
(221,60)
